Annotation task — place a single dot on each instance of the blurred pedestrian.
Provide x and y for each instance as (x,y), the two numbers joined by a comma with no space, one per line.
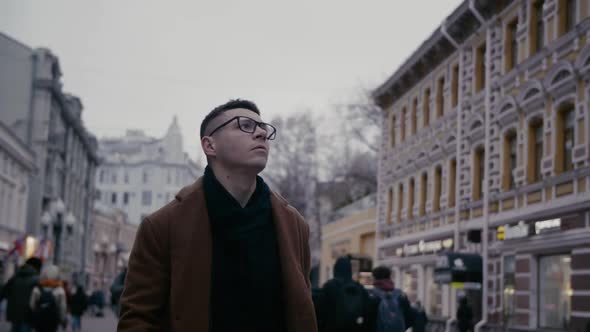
(48,302)
(117,290)
(464,316)
(421,319)
(393,310)
(17,292)
(78,305)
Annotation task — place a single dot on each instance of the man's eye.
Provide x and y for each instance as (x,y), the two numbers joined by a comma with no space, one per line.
(248,125)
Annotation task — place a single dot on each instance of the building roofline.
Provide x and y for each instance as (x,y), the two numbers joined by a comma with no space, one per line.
(19,43)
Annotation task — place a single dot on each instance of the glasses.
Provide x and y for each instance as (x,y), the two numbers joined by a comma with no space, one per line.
(249,125)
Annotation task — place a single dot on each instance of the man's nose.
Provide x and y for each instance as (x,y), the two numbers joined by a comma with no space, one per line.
(259,132)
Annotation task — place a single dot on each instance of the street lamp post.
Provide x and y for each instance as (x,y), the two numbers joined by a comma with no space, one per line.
(54,217)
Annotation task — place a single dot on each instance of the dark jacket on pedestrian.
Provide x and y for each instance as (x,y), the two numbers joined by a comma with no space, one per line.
(464,316)
(78,302)
(334,300)
(17,293)
(169,278)
(420,319)
(117,287)
(387,285)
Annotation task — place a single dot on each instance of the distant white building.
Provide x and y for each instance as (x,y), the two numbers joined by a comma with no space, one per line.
(140,174)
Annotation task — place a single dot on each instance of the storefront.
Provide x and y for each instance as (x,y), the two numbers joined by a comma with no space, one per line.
(543,268)
(413,264)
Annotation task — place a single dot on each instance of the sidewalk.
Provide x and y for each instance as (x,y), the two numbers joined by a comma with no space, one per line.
(108,323)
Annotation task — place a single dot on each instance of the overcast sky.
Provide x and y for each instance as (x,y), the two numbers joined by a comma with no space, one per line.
(137,63)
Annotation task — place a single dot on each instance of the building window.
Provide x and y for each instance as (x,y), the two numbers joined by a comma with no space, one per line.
(440,97)
(402,126)
(452,182)
(511,46)
(567,15)
(565,139)
(392,131)
(535,148)
(114,198)
(537,27)
(413,117)
(100,177)
(437,188)
(455,86)
(114,178)
(389,205)
(509,300)
(411,195)
(145,177)
(146,198)
(423,194)
(126,177)
(126,198)
(509,160)
(478,173)
(555,294)
(400,202)
(480,68)
(426,108)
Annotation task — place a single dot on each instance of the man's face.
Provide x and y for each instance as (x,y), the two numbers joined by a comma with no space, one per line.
(234,148)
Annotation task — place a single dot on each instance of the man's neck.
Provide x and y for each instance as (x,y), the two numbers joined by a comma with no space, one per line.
(240,185)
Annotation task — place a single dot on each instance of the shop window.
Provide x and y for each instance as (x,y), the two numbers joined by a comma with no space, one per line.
(400,202)
(452,182)
(392,131)
(402,126)
(413,117)
(389,205)
(480,68)
(426,108)
(437,188)
(509,302)
(411,195)
(509,160)
(535,150)
(423,194)
(455,86)
(433,305)
(440,97)
(565,139)
(478,173)
(555,291)
(537,27)
(511,45)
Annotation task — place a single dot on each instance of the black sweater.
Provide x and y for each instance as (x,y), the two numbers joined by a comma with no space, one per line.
(246,291)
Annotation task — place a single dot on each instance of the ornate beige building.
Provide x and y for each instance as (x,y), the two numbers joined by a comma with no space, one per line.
(486,133)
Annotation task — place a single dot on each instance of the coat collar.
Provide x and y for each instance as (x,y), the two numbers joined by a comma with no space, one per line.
(197,276)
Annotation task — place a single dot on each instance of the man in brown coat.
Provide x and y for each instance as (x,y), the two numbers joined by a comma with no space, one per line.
(227,254)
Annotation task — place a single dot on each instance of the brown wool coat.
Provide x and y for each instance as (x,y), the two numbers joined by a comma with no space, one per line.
(169,276)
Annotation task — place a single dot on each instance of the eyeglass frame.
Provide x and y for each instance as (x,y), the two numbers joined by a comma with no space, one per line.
(273,134)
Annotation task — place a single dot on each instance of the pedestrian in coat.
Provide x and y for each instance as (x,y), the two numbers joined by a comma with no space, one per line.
(17,292)
(464,316)
(227,254)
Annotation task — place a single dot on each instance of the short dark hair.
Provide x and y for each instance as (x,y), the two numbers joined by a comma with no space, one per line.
(35,262)
(381,272)
(230,105)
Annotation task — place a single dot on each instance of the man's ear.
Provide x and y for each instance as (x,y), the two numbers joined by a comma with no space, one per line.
(208,146)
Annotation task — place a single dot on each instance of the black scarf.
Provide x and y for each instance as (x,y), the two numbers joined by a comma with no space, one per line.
(246,292)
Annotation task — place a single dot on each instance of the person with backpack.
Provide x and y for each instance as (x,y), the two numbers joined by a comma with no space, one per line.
(393,310)
(421,318)
(343,304)
(17,291)
(78,305)
(48,302)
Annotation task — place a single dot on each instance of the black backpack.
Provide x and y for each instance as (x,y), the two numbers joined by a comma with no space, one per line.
(46,313)
(347,306)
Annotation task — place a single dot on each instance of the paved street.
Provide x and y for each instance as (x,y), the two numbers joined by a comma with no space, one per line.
(107,323)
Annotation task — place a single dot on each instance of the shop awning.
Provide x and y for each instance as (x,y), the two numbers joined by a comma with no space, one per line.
(458,267)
